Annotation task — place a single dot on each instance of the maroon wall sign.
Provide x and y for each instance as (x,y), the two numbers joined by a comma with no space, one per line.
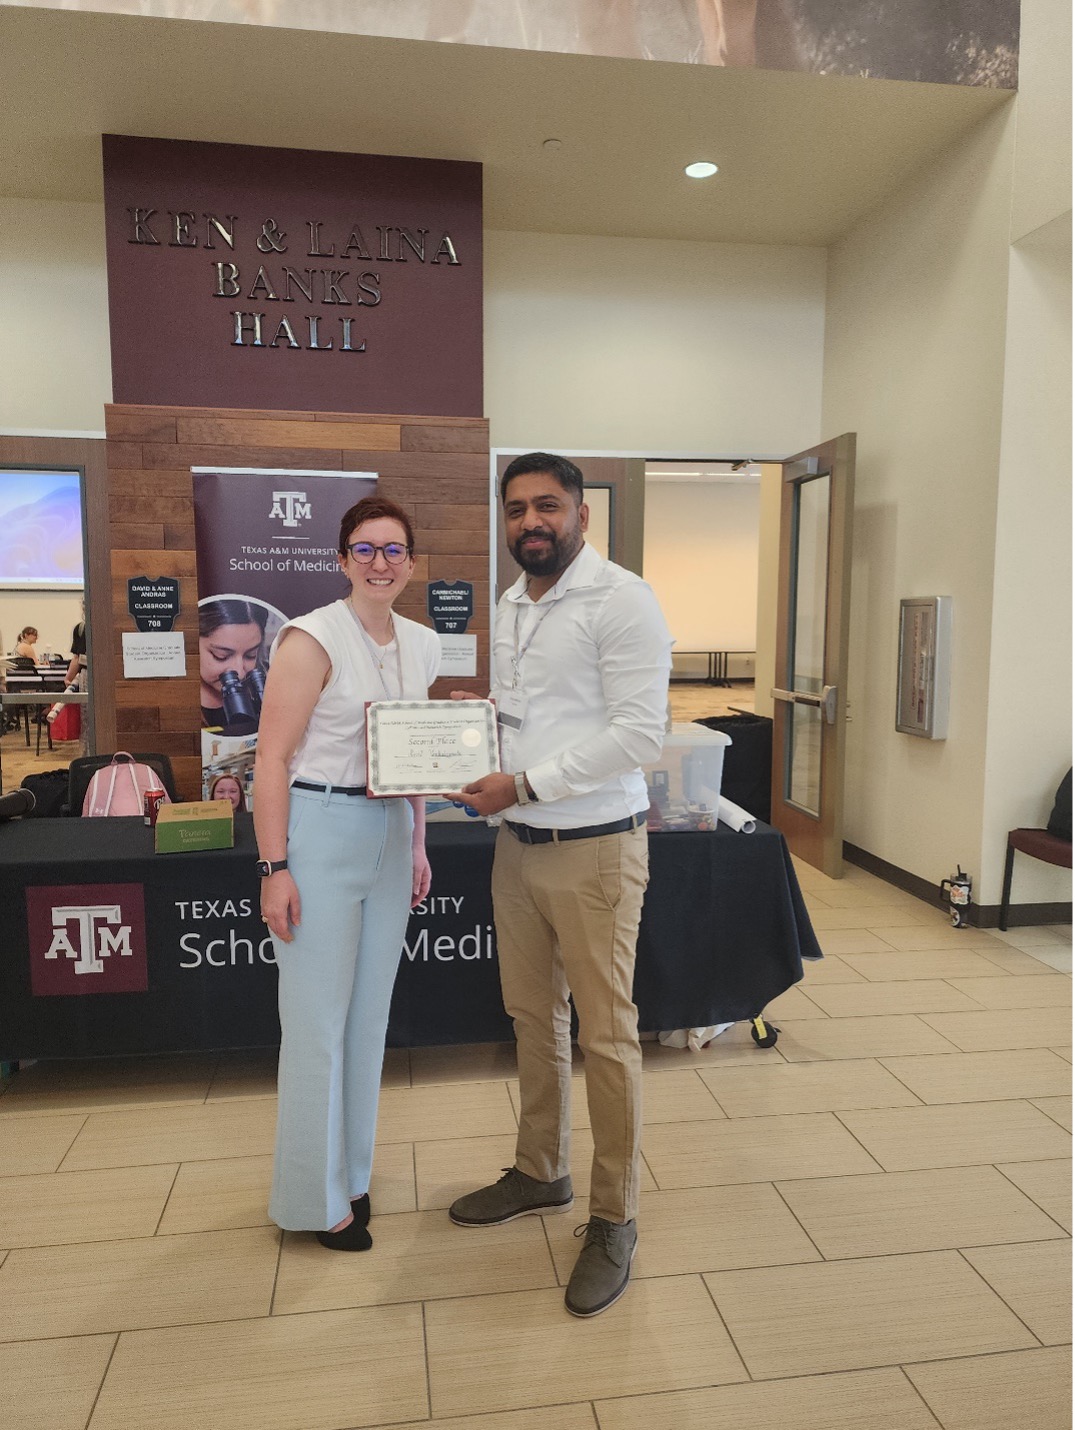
(87,938)
(293,279)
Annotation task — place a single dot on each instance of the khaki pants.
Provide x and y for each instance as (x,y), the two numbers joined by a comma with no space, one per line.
(567,919)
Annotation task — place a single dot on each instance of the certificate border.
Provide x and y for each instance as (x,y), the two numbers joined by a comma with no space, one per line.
(375,791)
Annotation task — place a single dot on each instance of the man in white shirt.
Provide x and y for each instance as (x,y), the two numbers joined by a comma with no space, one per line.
(581,657)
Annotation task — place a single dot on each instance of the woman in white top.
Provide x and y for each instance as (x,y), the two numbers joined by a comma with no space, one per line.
(340,872)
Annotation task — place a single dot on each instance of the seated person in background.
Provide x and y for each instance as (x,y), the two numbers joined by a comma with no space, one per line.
(26,645)
(228,787)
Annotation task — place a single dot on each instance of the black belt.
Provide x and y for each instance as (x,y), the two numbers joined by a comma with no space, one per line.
(526,834)
(330,789)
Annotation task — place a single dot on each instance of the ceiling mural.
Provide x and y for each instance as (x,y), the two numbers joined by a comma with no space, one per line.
(963,42)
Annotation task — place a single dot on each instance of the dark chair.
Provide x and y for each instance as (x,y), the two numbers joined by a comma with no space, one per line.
(1039,844)
(24,665)
(85,767)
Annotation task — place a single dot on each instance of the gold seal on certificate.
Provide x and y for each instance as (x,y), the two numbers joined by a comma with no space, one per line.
(430,747)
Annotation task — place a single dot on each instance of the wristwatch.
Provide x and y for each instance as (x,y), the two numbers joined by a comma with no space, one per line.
(265,868)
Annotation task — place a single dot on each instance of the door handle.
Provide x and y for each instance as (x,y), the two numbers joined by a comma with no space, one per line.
(826,701)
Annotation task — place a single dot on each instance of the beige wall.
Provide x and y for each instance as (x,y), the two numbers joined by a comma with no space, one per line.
(1041,189)
(701,558)
(596,344)
(914,362)
(1028,744)
(591,343)
(55,371)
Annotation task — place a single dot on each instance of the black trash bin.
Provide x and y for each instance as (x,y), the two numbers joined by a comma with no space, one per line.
(748,761)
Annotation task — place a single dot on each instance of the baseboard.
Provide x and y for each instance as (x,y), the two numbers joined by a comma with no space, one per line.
(983,916)
(1022,915)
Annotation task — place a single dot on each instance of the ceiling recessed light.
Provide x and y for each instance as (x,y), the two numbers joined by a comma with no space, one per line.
(700,170)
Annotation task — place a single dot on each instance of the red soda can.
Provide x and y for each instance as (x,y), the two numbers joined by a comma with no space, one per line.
(154,798)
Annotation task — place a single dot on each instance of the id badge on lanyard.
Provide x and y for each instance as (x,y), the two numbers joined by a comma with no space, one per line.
(511,708)
(511,703)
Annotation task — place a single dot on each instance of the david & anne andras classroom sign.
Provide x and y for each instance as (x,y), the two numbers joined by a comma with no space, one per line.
(241,276)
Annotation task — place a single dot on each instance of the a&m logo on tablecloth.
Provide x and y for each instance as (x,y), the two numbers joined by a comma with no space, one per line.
(87,938)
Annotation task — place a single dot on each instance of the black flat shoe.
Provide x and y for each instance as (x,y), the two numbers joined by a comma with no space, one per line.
(353,1237)
(360,1209)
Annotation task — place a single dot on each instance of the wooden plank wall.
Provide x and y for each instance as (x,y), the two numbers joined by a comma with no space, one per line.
(435,467)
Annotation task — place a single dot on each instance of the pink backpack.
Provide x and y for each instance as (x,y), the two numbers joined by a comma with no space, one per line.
(120,788)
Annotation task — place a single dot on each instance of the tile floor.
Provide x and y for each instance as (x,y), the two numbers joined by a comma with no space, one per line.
(863,1228)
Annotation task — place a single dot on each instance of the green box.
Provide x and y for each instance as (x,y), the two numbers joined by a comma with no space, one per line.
(183,828)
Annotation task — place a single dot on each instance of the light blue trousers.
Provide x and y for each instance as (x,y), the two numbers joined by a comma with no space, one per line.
(351,859)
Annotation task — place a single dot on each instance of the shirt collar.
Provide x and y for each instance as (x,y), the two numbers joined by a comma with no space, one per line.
(583,571)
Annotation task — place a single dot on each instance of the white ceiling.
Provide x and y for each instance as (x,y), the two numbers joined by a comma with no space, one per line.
(802,156)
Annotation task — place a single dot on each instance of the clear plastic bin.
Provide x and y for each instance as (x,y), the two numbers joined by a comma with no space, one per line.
(684,781)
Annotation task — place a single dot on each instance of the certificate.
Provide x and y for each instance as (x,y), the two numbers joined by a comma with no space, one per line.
(430,747)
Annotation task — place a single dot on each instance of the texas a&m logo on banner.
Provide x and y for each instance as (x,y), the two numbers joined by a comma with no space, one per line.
(87,938)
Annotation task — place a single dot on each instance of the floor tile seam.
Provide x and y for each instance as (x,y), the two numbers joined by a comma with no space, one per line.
(645,1162)
(834,1260)
(183,1161)
(908,1366)
(548,1247)
(414,1174)
(885,1058)
(426,1366)
(104,1377)
(244,1320)
(193,1100)
(895,1171)
(697,1071)
(929,1408)
(430,1299)
(433,1141)
(922,1013)
(212,1077)
(469,1296)
(167,1199)
(276,1272)
(81,1171)
(909,1172)
(798,1221)
(224,1097)
(727,1331)
(1044,1210)
(843,1124)
(815,1375)
(962,1251)
(1048,1114)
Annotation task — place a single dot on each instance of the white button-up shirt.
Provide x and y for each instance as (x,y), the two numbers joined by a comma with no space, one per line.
(595,660)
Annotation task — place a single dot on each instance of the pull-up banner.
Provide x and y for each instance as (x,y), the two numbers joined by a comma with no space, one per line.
(267,542)
(291,279)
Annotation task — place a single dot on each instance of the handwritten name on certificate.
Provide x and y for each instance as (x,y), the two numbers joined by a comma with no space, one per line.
(428,747)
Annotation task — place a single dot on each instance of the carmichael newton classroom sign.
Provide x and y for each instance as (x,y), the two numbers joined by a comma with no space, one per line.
(241,276)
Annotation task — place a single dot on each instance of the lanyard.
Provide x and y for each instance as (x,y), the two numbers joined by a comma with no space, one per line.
(517,658)
(378,656)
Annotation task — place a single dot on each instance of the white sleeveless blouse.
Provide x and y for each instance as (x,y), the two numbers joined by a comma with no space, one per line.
(333,748)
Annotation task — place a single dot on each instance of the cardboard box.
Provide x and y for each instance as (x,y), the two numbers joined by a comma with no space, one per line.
(182,828)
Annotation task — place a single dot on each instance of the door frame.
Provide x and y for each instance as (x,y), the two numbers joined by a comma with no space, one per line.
(818,839)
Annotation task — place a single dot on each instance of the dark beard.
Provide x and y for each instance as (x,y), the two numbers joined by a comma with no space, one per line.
(562,551)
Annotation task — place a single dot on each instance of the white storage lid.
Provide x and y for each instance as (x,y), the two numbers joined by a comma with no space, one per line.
(685,732)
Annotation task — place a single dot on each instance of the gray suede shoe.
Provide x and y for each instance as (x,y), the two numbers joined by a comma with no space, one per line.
(603,1269)
(514,1195)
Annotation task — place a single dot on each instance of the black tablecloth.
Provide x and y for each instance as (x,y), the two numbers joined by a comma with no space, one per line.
(178,939)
